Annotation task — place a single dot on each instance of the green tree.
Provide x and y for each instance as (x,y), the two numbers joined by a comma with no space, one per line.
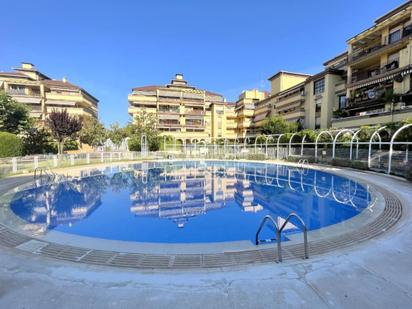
(93,132)
(14,116)
(37,141)
(10,145)
(278,125)
(144,123)
(116,133)
(63,126)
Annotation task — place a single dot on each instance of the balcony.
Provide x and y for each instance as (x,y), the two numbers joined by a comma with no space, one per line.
(168,111)
(362,75)
(379,75)
(169,124)
(376,49)
(195,112)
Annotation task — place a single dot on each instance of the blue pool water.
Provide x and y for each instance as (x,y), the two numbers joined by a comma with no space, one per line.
(190,202)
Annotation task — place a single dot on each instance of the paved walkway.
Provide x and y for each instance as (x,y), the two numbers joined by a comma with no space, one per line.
(375,274)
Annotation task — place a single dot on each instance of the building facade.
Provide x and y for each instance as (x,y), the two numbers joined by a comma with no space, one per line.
(378,72)
(369,84)
(42,94)
(185,112)
(245,112)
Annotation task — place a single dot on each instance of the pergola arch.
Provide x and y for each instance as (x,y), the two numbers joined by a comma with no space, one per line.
(327,132)
(391,144)
(277,145)
(375,134)
(290,144)
(341,132)
(355,136)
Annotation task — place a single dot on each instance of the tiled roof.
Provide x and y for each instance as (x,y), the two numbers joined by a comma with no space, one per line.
(155,87)
(14,74)
(147,88)
(59,84)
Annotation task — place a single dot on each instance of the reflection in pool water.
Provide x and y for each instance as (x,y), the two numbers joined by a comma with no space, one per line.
(184,202)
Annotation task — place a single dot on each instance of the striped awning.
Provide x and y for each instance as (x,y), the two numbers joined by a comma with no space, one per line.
(56,102)
(384,77)
(261,116)
(30,100)
(289,106)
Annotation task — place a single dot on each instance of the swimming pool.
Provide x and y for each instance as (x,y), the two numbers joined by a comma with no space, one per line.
(190,202)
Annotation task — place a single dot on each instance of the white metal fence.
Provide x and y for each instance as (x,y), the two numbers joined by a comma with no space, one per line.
(390,156)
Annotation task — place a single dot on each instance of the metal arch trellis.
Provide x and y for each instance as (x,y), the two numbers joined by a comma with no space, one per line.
(290,143)
(354,136)
(143,145)
(374,134)
(277,145)
(328,132)
(391,144)
(343,131)
(267,138)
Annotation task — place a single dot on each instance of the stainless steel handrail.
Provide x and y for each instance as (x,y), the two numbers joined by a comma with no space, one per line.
(305,235)
(279,233)
(266,218)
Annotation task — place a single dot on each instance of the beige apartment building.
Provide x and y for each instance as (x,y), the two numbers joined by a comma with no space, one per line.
(378,72)
(42,94)
(368,84)
(245,111)
(184,111)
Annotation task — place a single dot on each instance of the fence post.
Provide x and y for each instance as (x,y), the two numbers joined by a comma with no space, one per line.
(36,162)
(88,158)
(102,157)
(14,165)
(55,163)
(71,159)
(111,157)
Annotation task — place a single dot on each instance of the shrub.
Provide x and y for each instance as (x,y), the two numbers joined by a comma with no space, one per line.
(37,141)
(10,145)
(134,143)
(360,165)
(341,162)
(408,171)
(257,157)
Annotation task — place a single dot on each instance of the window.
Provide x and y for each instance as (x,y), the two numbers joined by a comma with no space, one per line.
(319,86)
(16,89)
(394,36)
(317,123)
(342,101)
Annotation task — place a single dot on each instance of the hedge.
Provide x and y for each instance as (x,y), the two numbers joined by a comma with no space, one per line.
(10,145)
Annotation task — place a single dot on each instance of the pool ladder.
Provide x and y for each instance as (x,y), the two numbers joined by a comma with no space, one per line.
(279,233)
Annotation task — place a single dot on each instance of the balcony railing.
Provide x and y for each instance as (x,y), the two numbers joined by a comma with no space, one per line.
(362,75)
(16,92)
(406,32)
(168,124)
(171,111)
(195,112)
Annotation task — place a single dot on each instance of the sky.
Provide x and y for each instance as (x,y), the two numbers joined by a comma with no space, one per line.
(225,46)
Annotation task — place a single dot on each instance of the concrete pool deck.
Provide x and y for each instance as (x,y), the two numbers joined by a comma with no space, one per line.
(374,273)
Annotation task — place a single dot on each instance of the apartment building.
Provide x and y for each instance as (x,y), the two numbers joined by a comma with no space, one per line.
(368,84)
(184,111)
(245,111)
(288,95)
(378,72)
(42,94)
